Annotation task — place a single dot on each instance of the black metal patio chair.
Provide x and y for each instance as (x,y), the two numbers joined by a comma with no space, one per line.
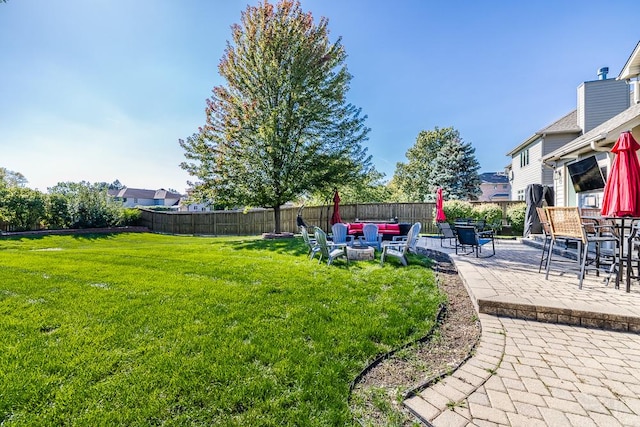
(469,236)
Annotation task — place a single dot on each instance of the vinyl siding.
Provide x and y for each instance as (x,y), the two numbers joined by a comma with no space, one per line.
(529,174)
(600,100)
(555,141)
(552,143)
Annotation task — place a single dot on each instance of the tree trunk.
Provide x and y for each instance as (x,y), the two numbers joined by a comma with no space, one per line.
(276,218)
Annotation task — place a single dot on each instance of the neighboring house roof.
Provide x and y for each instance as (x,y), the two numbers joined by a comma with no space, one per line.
(632,67)
(139,193)
(566,124)
(495,196)
(608,132)
(164,194)
(494,178)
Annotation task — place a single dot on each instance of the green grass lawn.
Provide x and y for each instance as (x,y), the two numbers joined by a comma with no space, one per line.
(145,329)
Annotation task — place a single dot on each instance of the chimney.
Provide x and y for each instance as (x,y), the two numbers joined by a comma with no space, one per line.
(599,100)
(602,73)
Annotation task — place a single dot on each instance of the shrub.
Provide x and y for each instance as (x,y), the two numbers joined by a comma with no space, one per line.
(515,216)
(457,209)
(57,212)
(129,216)
(490,212)
(88,205)
(22,208)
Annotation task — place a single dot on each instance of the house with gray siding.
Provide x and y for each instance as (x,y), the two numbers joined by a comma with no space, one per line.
(597,102)
(598,140)
(526,166)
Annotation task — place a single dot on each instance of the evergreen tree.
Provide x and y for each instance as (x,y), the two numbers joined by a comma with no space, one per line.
(455,169)
(413,181)
(281,126)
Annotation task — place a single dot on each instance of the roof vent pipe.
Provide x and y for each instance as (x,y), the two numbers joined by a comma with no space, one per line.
(602,73)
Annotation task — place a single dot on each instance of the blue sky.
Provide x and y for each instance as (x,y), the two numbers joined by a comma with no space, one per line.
(99,90)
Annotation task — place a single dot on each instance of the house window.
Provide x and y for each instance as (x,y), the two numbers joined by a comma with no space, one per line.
(504,186)
(520,195)
(524,158)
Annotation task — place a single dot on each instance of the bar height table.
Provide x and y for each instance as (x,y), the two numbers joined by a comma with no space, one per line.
(624,225)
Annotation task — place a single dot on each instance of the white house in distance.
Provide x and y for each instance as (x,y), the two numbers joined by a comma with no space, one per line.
(185,206)
(188,204)
(132,197)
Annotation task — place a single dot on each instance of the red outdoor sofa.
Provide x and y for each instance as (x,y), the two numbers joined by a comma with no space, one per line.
(387,230)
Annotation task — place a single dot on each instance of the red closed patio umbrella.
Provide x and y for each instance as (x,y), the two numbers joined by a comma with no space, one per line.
(335,218)
(440,216)
(622,190)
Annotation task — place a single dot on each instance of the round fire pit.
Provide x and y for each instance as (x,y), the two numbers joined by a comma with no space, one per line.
(361,253)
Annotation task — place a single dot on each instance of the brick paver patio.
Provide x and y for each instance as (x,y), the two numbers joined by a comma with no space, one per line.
(550,354)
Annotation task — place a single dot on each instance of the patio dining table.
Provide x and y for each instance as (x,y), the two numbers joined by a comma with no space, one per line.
(623,226)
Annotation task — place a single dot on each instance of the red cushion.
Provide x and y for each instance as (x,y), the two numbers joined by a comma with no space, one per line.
(354,227)
(389,228)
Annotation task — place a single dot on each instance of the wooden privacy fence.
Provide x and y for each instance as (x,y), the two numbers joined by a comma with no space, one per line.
(260,221)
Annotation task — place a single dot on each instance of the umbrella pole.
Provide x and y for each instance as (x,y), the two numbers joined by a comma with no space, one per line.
(328,207)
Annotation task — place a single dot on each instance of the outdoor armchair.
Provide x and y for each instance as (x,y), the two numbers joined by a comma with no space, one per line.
(446,232)
(311,242)
(469,236)
(370,236)
(546,231)
(399,247)
(330,250)
(566,224)
(339,234)
(480,224)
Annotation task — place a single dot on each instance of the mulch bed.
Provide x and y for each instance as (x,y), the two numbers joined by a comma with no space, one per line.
(377,399)
(106,230)
(277,235)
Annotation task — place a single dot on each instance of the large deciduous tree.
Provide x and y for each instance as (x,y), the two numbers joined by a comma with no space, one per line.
(370,189)
(439,158)
(281,126)
(9,178)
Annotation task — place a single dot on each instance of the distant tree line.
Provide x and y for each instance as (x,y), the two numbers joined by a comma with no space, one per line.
(66,205)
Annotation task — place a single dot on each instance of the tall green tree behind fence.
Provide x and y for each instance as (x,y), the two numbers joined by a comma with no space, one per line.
(280,126)
(261,221)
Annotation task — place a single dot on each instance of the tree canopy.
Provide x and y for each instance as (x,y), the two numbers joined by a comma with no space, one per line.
(9,178)
(439,158)
(455,169)
(281,126)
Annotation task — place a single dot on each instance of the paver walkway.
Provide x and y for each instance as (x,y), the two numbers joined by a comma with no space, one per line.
(529,370)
